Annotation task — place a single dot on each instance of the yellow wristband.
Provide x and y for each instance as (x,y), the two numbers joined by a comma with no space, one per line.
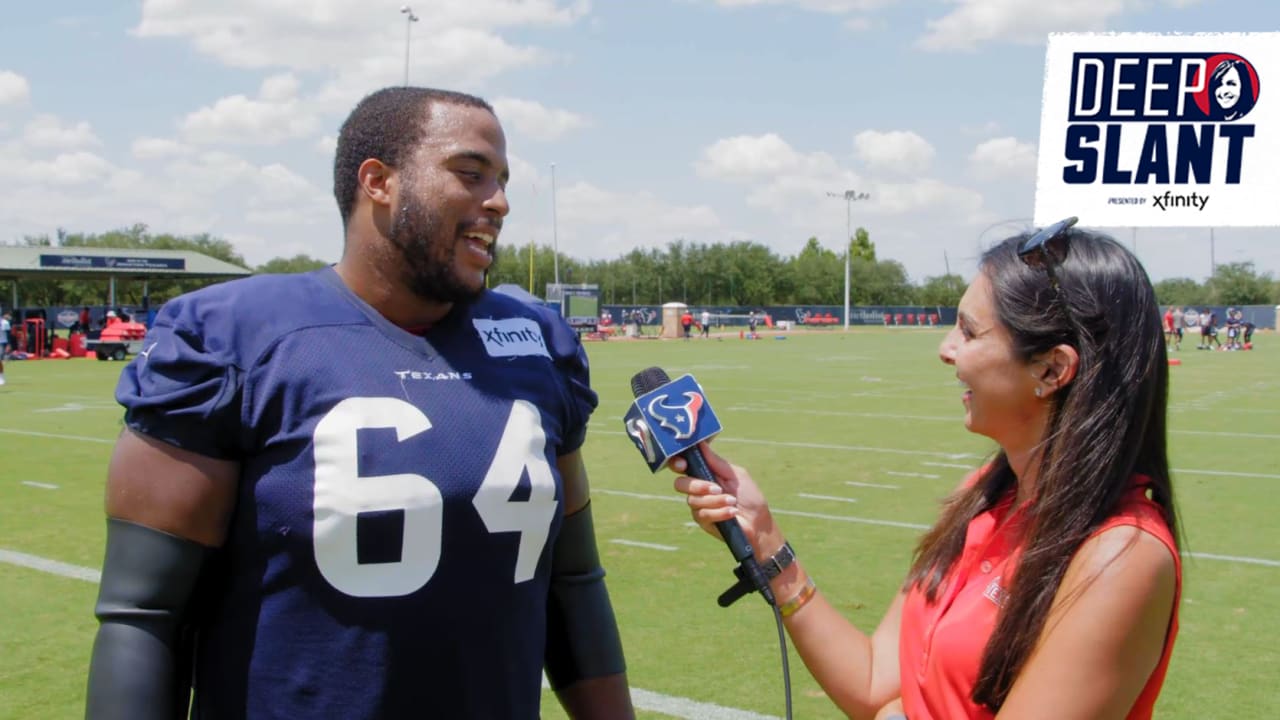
(801,599)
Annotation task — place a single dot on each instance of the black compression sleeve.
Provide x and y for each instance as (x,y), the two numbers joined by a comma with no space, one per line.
(140,668)
(582,633)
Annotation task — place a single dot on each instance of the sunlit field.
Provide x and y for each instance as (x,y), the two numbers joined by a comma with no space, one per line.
(854,437)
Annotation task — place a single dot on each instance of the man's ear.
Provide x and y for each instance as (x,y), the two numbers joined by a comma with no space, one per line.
(1056,368)
(377,181)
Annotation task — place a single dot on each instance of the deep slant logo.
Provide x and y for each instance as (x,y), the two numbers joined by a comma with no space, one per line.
(1189,111)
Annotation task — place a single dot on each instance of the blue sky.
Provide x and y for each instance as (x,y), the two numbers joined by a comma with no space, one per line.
(707,120)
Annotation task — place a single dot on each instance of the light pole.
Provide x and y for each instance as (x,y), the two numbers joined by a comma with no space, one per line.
(555,236)
(849,196)
(409,20)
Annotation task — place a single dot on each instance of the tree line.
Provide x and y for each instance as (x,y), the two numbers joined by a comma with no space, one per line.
(739,274)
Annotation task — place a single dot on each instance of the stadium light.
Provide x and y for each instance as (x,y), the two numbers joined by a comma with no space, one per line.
(409,20)
(849,197)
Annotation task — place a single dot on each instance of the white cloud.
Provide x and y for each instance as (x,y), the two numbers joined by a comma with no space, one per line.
(149,148)
(279,88)
(281,183)
(207,192)
(750,157)
(71,169)
(988,128)
(14,89)
(536,120)
(275,117)
(793,187)
(1003,157)
(962,204)
(49,131)
(899,152)
(318,57)
(976,22)
(596,222)
(835,7)
(210,172)
(348,39)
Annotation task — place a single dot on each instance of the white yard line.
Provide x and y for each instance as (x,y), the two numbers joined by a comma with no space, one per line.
(678,707)
(1260,436)
(1232,558)
(956,418)
(687,709)
(851,519)
(57,436)
(53,567)
(775,443)
(1224,473)
(78,407)
(907,525)
(872,485)
(650,546)
(829,446)
(684,708)
(42,486)
(851,448)
(849,413)
(827,497)
(930,476)
(56,396)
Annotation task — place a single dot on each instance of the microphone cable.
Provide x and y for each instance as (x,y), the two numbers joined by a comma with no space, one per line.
(786,666)
(750,577)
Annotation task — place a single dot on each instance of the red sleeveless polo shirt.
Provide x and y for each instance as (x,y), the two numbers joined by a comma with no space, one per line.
(940,646)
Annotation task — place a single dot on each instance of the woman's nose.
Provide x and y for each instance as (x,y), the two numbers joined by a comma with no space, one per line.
(947,348)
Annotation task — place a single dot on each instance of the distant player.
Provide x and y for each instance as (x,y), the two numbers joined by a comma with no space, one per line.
(6,328)
(1233,328)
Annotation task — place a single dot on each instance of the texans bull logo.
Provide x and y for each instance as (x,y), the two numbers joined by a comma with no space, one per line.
(638,430)
(681,420)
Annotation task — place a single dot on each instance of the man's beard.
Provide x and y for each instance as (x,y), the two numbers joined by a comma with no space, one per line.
(429,257)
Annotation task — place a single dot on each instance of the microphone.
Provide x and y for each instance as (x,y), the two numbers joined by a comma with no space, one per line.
(668,418)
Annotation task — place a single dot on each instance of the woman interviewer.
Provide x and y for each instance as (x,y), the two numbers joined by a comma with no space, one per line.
(1049,585)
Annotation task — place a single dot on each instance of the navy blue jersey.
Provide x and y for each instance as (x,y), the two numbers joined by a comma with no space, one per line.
(389,552)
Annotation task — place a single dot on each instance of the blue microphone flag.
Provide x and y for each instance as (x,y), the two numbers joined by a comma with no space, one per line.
(669,420)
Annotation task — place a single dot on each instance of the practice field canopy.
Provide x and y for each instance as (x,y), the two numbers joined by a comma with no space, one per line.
(94,263)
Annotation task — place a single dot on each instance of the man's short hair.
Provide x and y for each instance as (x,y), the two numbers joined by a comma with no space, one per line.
(387,125)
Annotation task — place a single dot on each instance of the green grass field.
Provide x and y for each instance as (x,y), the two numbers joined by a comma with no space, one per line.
(808,416)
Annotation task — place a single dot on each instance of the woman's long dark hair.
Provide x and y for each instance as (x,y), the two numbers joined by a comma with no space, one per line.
(1104,427)
(1245,101)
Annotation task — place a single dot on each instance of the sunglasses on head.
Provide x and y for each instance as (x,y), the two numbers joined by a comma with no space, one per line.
(1047,248)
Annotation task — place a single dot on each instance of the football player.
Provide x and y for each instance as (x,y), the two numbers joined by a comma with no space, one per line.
(359,492)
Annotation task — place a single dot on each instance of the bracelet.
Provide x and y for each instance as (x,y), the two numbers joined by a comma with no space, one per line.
(801,599)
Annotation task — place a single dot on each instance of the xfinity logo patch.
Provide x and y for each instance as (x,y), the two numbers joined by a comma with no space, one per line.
(514,337)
